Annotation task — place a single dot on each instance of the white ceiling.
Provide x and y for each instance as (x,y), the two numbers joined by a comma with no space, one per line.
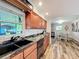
(57,8)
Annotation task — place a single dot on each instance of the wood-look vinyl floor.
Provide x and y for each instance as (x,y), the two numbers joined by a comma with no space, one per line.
(62,49)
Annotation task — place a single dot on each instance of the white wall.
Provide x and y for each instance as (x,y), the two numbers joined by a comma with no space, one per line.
(70,7)
(64,7)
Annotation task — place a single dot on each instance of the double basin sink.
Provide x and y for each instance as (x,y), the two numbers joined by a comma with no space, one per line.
(11,46)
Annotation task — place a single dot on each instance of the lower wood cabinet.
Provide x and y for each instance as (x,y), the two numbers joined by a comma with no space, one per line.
(17,55)
(31,52)
(34,50)
(33,55)
(46,41)
(42,45)
(40,48)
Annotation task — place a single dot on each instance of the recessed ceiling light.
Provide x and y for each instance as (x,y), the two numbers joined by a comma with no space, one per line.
(47,13)
(40,3)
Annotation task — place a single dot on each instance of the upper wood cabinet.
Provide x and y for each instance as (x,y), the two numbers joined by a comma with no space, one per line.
(19,4)
(34,21)
(44,24)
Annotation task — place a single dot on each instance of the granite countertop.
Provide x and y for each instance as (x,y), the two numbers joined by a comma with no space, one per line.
(34,39)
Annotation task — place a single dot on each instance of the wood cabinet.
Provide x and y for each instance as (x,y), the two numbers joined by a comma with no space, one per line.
(31,52)
(17,55)
(33,55)
(40,48)
(44,24)
(46,41)
(34,50)
(34,21)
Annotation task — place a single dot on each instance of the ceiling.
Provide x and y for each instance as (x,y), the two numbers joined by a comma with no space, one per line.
(56,8)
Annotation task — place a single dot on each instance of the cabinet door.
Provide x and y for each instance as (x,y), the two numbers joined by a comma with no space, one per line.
(35,21)
(30,50)
(32,55)
(39,23)
(46,41)
(17,56)
(45,24)
(27,21)
(31,21)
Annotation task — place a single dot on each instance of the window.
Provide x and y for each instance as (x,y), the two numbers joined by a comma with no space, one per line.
(58,27)
(10,23)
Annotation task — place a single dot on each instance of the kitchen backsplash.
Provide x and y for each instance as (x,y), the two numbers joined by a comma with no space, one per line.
(26,32)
